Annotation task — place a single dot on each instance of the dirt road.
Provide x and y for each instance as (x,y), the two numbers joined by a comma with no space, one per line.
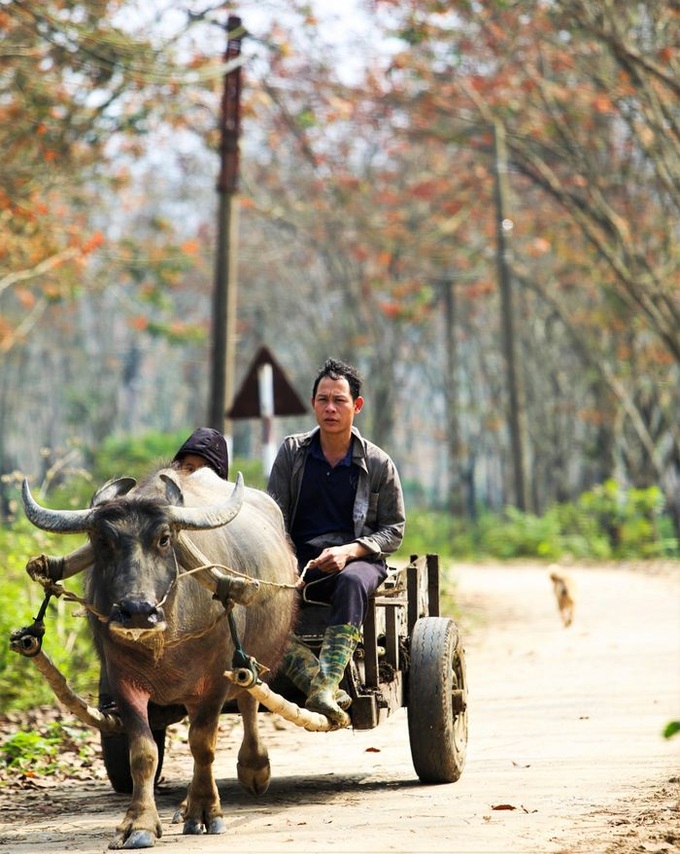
(565,752)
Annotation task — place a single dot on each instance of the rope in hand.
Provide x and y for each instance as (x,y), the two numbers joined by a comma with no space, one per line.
(301,580)
(230,571)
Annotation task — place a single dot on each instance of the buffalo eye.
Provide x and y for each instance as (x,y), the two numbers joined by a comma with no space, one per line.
(164,540)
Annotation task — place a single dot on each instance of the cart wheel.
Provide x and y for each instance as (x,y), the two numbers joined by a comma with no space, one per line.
(437,701)
(116,755)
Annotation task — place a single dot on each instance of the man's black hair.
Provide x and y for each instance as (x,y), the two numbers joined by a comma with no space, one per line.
(336,370)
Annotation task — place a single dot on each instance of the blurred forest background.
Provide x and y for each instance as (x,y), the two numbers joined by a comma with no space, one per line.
(476,203)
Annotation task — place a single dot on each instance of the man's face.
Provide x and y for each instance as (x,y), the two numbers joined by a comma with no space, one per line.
(333,405)
(189,463)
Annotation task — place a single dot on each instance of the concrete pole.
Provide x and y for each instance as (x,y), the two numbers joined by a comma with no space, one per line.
(516,409)
(225,292)
(455,499)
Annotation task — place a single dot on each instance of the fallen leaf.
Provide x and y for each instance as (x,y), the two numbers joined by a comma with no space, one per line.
(511,807)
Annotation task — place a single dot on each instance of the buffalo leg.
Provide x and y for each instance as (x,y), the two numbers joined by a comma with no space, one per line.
(203,811)
(253,769)
(141,825)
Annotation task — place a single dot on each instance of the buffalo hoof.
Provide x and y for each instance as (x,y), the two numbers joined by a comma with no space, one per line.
(254,780)
(193,827)
(217,825)
(137,839)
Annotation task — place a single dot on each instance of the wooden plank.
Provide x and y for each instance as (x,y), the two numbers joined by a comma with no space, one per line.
(371,647)
(433,584)
(415,584)
(392,638)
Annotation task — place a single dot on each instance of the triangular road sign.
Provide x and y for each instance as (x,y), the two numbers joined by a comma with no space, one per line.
(247,399)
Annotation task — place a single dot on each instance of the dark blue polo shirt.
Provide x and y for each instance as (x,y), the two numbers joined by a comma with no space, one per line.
(326,501)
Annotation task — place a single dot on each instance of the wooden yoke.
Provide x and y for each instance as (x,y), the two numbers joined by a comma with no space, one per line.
(223,585)
(58,568)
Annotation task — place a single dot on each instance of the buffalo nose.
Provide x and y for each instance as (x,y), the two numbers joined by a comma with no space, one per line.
(136,614)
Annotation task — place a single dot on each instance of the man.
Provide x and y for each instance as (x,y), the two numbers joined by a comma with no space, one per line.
(344,510)
(205,447)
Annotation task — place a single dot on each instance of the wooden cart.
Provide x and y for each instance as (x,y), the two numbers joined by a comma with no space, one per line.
(409,656)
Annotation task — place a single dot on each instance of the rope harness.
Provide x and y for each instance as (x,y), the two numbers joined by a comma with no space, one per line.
(57,589)
(245,671)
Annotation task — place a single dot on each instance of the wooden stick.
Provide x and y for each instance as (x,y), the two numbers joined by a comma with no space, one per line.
(311,721)
(104,721)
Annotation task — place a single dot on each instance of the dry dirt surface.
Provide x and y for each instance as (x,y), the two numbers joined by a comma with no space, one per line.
(565,749)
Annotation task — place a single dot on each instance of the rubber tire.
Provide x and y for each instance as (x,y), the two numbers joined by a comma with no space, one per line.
(438,729)
(116,755)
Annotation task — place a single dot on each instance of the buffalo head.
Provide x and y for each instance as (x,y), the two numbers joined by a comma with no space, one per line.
(133,535)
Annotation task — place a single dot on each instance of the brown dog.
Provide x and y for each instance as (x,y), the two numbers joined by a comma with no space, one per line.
(563,587)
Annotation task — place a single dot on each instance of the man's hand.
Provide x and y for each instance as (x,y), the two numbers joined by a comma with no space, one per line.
(336,558)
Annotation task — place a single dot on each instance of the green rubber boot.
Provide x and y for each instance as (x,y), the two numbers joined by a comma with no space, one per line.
(300,665)
(339,643)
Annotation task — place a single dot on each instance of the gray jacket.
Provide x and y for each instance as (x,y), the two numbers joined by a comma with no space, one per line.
(379,515)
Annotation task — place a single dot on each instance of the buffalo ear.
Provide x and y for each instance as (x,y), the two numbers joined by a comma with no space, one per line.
(113,488)
(173,492)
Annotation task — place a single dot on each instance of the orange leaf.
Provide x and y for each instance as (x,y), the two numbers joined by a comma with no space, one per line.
(25,297)
(190,247)
(94,242)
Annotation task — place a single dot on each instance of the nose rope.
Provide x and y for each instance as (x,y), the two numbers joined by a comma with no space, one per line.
(172,583)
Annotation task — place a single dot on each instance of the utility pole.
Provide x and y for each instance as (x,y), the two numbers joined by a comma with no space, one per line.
(516,410)
(455,502)
(224,297)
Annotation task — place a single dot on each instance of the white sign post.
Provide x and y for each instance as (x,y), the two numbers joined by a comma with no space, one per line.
(265,379)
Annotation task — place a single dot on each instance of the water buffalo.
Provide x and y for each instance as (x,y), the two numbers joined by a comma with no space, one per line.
(161,636)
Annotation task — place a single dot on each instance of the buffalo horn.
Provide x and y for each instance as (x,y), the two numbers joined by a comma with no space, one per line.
(57,521)
(113,489)
(187,518)
(214,516)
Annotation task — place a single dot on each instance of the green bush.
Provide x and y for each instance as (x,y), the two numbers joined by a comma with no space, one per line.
(628,519)
(605,523)
(135,456)
(57,748)
(30,751)
(66,641)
